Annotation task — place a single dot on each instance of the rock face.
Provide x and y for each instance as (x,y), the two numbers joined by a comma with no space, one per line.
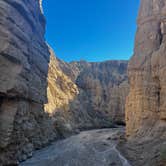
(24,59)
(83,95)
(103,89)
(61,89)
(146,104)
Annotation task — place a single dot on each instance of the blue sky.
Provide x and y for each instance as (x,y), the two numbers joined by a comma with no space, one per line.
(92,30)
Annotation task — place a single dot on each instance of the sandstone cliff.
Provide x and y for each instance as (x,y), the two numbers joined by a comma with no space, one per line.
(61,91)
(24,59)
(146,104)
(103,89)
(32,85)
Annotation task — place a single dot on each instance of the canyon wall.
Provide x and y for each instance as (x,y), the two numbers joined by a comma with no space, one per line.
(24,59)
(32,85)
(84,95)
(103,89)
(146,104)
(61,91)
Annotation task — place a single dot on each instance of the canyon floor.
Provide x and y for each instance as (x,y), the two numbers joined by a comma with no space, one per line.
(90,148)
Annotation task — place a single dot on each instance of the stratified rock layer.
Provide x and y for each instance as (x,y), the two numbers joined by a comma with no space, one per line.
(61,89)
(24,59)
(103,88)
(146,104)
(83,95)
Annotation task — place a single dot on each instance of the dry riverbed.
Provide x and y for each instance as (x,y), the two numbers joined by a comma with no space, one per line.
(89,148)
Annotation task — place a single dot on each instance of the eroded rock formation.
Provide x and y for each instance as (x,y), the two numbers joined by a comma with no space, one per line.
(146,104)
(24,59)
(103,89)
(61,89)
(83,95)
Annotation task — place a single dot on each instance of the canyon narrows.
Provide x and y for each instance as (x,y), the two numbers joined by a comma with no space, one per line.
(43,99)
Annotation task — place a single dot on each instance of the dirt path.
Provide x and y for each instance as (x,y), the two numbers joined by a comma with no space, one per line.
(89,148)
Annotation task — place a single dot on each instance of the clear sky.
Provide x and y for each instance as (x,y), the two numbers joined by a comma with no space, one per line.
(92,30)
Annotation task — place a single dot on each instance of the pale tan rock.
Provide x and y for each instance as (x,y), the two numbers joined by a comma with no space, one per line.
(146,105)
(103,88)
(61,90)
(84,95)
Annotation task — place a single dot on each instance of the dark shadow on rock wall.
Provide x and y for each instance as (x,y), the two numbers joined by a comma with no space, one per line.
(24,59)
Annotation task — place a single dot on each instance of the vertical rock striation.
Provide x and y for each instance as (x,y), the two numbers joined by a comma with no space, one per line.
(24,59)
(61,89)
(146,104)
(83,95)
(103,88)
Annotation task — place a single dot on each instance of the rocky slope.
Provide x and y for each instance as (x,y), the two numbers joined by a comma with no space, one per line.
(146,104)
